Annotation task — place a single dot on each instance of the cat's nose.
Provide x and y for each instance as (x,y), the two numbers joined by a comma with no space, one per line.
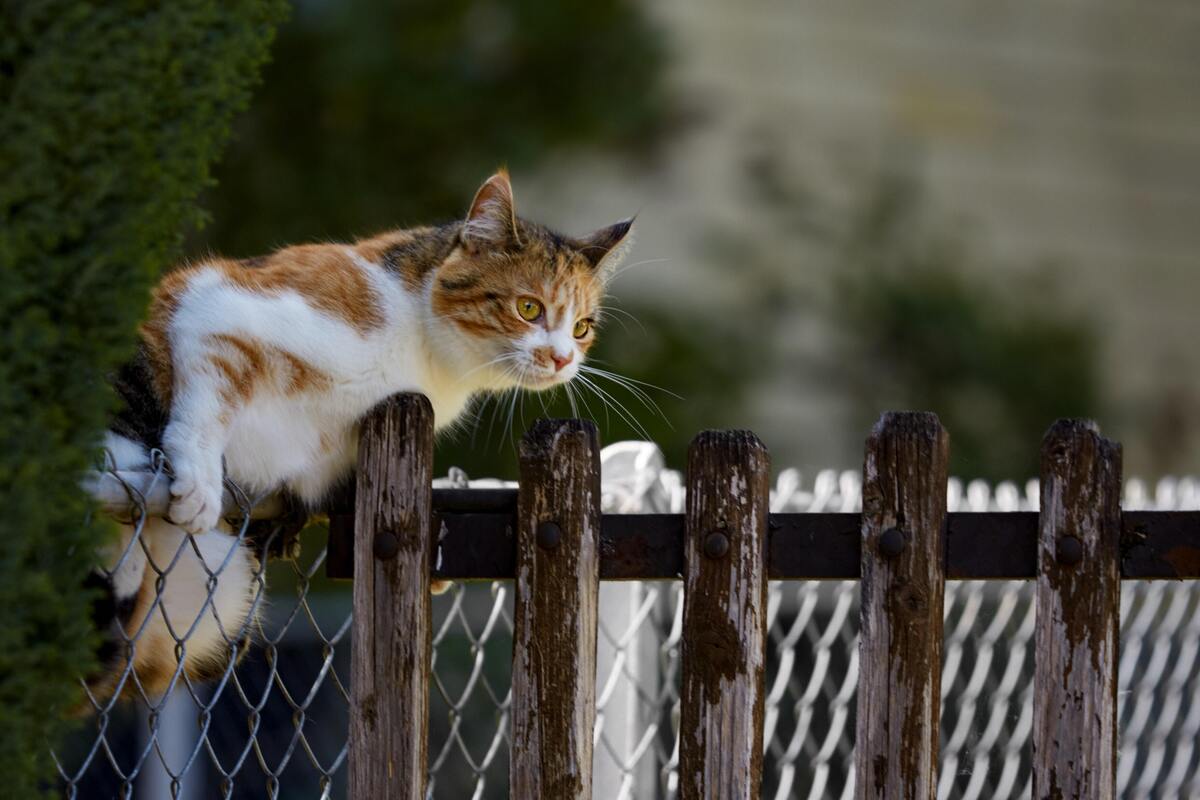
(561,361)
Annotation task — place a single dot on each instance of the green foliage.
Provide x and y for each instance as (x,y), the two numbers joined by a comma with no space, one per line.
(113,113)
(376,114)
(917,332)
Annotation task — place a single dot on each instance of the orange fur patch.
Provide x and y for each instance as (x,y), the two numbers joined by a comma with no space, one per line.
(323,274)
(241,363)
(244,364)
(153,655)
(163,303)
(302,376)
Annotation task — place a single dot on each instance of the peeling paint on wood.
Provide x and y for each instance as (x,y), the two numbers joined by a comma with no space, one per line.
(900,652)
(557,589)
(724,618)
(390,649)
(1078,616)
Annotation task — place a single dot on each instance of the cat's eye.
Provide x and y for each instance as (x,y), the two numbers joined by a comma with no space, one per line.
(582,327)
(529,308)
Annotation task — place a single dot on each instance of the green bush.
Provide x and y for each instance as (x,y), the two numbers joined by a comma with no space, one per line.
(113,113)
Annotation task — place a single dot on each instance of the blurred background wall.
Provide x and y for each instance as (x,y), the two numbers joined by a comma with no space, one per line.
(990,212)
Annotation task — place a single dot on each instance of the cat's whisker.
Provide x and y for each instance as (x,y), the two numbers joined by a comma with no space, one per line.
(647,384)
(542,400)
(625,268)
(512,405)
(631,386)
(501,398)
(520,417)
(499,359)
(477,416)
(586,384)
(622,411)
(616,405)
(583,401)
(632,318)
(620,380)
(494,399)
(505,398)
(571,399)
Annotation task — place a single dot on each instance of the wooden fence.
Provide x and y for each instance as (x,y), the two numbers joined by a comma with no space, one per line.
(398,535)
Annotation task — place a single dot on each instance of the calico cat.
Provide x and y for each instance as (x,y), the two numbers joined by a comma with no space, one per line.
(257,371)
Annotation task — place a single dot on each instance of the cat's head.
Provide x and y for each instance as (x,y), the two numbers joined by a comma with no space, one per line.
(525,299)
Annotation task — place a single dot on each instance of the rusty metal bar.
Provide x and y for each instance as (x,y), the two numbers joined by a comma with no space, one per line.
(1155,545)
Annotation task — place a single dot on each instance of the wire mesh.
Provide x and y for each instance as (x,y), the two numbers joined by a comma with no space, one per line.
(273,722)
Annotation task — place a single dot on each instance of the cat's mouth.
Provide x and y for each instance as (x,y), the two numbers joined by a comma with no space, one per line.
(542,380)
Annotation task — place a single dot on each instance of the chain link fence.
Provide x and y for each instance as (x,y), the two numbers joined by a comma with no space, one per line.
(274,723)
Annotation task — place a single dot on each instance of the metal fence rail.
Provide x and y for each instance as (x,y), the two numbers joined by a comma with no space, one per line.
(275,724)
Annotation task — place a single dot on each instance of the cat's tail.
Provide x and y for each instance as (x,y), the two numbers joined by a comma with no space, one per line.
(172,605)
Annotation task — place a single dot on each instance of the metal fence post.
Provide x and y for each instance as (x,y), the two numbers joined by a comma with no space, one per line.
(557,587)
(724,617)
(1078,614)
(903,581)
(389,692)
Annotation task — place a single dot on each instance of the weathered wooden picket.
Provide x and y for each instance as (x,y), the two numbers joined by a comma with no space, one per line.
(550,536)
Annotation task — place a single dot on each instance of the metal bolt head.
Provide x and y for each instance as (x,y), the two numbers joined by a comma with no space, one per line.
(716,544)
(1069,551)
(548,535)
(386,545)
(891,543)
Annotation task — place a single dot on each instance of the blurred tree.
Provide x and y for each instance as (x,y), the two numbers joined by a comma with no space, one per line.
(112,113)
(376,114)
(917,332)
(907,321)
(917,325)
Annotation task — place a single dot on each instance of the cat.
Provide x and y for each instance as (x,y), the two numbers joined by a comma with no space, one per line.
(258,370)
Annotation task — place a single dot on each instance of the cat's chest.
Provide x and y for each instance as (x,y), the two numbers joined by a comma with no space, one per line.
(274,440)
(309,443)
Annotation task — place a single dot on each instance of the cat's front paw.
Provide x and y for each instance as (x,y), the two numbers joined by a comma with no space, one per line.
(195,503)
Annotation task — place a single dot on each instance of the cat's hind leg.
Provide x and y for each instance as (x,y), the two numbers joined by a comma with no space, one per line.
(200,610)
(118,580)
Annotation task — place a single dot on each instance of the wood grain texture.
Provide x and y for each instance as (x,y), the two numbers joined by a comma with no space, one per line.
(900,652)
(389,666)
(1078,615)
(724,617)
(557,590)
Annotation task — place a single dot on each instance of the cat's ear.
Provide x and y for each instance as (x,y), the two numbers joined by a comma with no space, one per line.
(492,220)
(605,248)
